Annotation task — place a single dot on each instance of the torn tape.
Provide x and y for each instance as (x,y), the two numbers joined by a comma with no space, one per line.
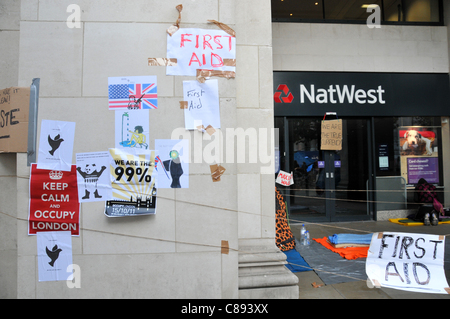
(209,129)
(162,62)
(183,105)
(203,74)
(224,27)
(174,28)
(224,247)
(216,172)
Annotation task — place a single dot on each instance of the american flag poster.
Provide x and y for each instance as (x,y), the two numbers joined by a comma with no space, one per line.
(132,93)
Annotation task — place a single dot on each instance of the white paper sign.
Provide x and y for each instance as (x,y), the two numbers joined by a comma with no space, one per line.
(202,104)
(54,250)
(93,177)
(200,49)
(132,93)
(132,129)
(56,145)
(285,178)
(413,262)
(173,163)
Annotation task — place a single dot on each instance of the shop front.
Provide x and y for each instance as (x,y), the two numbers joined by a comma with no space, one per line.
(391,137)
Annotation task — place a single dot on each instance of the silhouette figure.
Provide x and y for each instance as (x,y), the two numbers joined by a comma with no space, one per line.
(53,255)
(54,143)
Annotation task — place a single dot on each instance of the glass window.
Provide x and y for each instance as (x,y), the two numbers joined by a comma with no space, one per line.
(402,11)
(410,147)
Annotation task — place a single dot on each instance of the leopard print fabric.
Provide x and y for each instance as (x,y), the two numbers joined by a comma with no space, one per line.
(285,240)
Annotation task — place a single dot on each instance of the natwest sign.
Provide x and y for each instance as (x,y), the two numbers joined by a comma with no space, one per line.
(360,94)
(54,204)
(341,94)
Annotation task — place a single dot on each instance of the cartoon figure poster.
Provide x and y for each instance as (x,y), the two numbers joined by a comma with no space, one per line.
(54,251)
(56,145)
(173,163)
(93,176)
(132,129)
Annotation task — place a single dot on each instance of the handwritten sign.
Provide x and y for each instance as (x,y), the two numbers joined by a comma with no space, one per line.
(413,262)
(285,178)
(331,135)
(202,104)
(200,49)
(14,109)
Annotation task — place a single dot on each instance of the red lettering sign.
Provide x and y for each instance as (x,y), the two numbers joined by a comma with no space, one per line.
(54,204)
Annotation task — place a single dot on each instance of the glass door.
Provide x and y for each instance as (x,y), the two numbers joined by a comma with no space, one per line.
(328,185)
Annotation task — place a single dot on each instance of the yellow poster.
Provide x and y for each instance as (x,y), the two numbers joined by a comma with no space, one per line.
(133,181)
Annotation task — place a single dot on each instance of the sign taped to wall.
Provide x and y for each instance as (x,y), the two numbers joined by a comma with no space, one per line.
(331,135)
(413,262)
(173,163)
(133,181)
(133,92)
(54,202)
(54,251)
(200,49)
(14,109)
(93,176)
(202,104)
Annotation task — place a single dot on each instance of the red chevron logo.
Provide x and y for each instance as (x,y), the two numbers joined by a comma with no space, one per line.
(284,89)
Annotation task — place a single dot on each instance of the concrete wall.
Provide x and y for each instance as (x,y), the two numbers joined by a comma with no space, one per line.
(176,253)
(357,48)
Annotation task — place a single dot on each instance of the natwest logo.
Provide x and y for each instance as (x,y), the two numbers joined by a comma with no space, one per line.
(288,95)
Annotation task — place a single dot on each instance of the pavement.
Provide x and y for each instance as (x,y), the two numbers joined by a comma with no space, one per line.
(358,288)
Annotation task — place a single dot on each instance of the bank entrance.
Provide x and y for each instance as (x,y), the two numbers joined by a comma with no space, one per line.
(328,185)
(379,165)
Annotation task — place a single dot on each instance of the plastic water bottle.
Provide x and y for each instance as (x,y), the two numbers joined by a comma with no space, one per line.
(306,240)
(302,233)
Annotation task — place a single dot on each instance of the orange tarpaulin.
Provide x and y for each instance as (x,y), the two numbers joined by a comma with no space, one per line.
(347,253)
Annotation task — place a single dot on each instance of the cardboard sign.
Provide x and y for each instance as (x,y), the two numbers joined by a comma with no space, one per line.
(331,135)
(200,49)
(413,262)
(54,202)
(285,178)
(14,109)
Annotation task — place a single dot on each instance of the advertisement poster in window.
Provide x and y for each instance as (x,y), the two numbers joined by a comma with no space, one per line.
(419,154)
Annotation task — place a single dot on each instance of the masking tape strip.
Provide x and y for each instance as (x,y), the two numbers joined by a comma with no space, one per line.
(447,289)
(224,27)
(225,248)
(441,237)
(209,129)
(174,28)
(162,62)
(183,105)
(229,62)
(216,172)
(203,74)
(380,235)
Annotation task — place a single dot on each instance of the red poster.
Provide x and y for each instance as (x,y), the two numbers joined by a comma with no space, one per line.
(54,202)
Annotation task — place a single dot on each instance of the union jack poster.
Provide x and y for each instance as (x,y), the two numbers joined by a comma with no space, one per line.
(133,93)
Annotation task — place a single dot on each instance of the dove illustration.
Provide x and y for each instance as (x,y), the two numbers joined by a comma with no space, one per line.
(53,254)
(54,143)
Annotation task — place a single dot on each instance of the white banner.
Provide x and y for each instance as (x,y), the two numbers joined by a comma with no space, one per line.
(413,262)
